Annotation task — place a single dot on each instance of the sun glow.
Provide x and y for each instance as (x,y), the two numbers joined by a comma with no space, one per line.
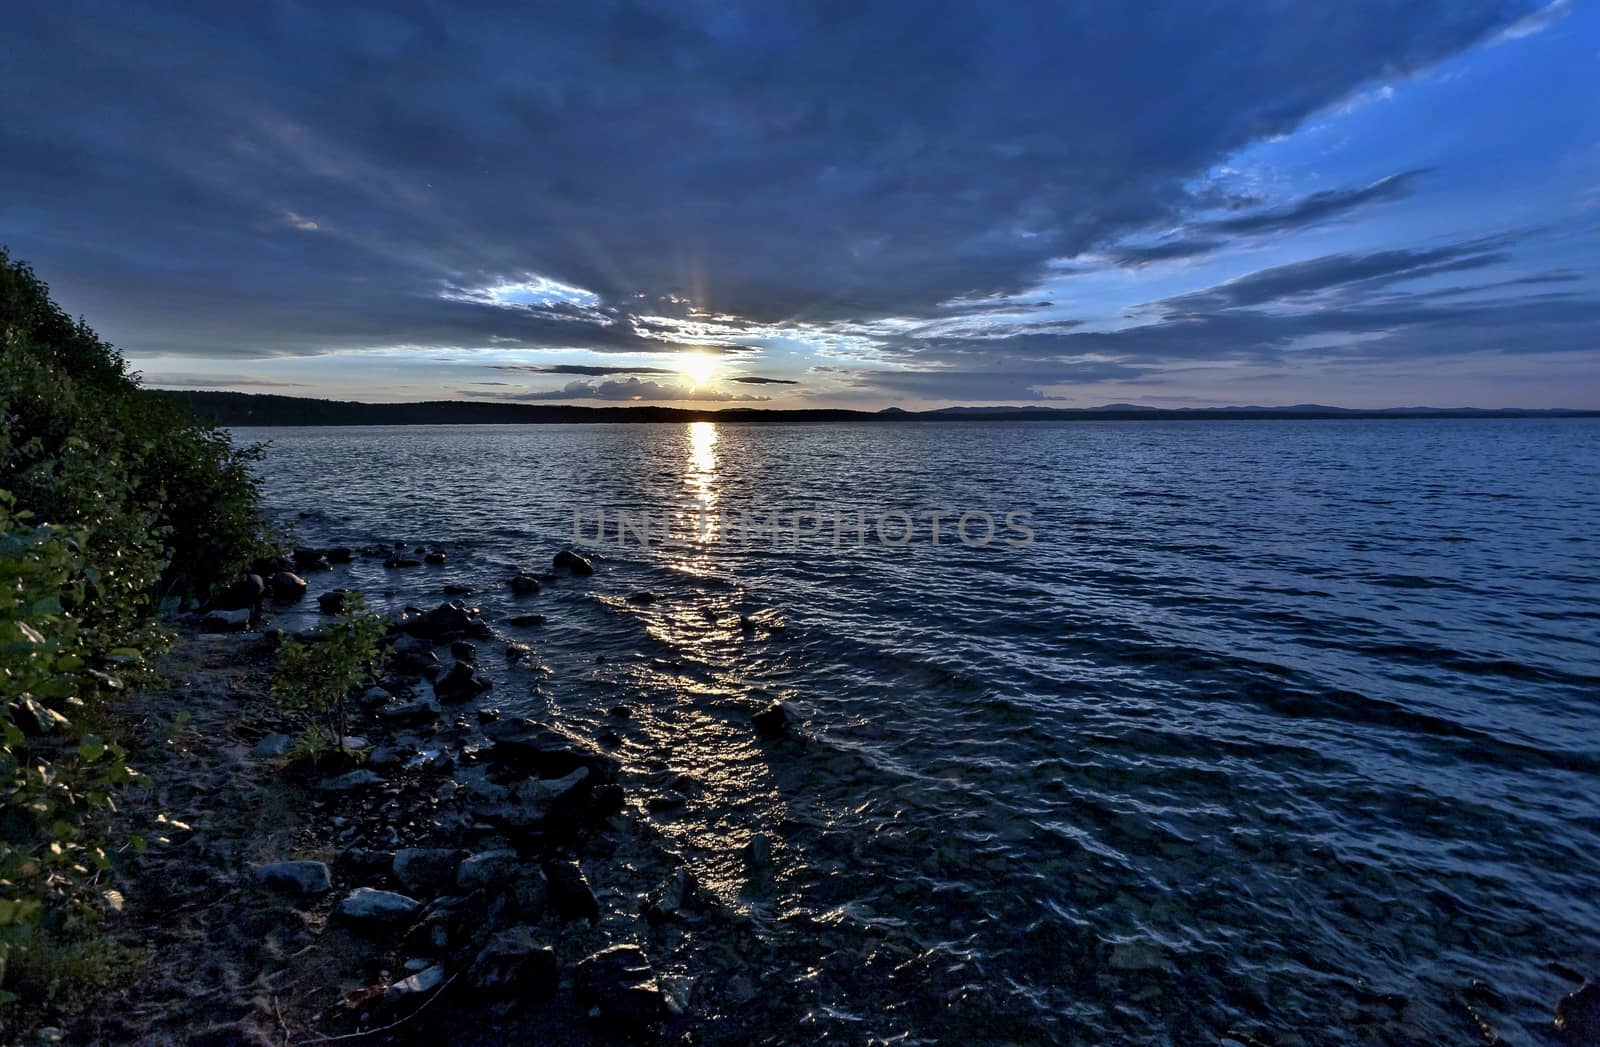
(699,368)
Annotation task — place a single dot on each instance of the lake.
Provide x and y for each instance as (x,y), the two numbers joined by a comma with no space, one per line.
(1285,730)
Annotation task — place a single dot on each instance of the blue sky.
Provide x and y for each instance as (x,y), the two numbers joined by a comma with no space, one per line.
(1380,204)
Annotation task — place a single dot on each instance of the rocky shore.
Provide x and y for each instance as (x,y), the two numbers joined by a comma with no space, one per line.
(465,873)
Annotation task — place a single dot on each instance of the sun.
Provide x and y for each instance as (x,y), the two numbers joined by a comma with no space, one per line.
(699,368)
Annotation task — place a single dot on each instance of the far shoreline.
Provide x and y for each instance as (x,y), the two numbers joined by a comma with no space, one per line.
(257,410)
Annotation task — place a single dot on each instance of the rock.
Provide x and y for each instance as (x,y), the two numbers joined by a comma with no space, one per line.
(36,718)
(245,594)
(464,651)
(524,584)
(1578,1016)
(298,877)
(489,869)
(546,752)
(412,662)
(402,560)
(413,713)
(423,870)
(333,601)
(385,758)
(410,991)
(338,554)
(643,599)
(273,746)
(570,895)
(758,852)
(621,712)
(371,908)
(449,621)
(311,560)
(515,964)
(461,683)
(373,697)
(288,586)
(536,803)
(350,782)
(570,561)
(518,652)
(530,892)
(220,621)
(457,590)
(435,557)
(526,619)
(618,983)
(776,719)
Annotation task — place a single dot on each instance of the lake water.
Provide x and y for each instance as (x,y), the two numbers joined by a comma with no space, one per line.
(1284,729)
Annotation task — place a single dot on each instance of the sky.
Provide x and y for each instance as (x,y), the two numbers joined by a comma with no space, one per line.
(1374,203)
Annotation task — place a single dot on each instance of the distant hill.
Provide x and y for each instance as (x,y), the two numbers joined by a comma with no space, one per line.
(247,409)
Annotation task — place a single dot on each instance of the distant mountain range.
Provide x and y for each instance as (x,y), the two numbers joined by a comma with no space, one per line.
(247,409)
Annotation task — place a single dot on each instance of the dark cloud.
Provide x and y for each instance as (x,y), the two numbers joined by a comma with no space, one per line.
(1132,256)
(1317,207)
(1345,309)
(211,381)
(585,369)
(629,389)
(283,178)
(1205,237)
(750,379)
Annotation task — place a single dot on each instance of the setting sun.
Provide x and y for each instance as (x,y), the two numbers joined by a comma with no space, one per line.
(699,368)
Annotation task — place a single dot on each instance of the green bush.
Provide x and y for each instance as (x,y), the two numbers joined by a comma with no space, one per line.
(313,679)
(112,503)
(81,437)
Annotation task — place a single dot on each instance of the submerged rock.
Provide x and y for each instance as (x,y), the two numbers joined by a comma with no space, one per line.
(372,908)
(776,720)
(544,751)
(1138,955)
(514,963)
(526,619)
(536,803)
(461,683)
(435,556)
(298,877)
(570,894)
(1578,1016)
(523,583)
(619,984)
(245,594)
(334,601)
(677,896)
(220,621)
(311,560)
(402,560)
(567,560)
(643,599)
